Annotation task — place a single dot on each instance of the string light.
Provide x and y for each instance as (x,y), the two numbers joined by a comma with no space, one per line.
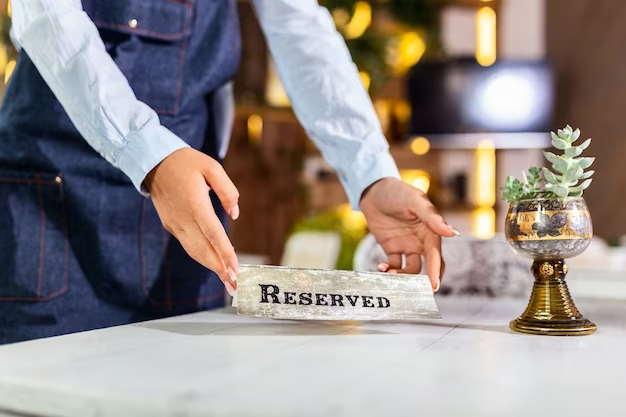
(361,20)
(417,178)
(484,215)
(365,78)
(484,222)
(255,128)
(420,146)
(9,71)
(486,36)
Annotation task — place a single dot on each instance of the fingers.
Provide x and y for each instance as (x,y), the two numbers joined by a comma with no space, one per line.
(434,262)
(382,267)
(215,234)
(413,264)
(431,248)
(219,182)
(394,260)
(199,248)
(443,270)
(429,215)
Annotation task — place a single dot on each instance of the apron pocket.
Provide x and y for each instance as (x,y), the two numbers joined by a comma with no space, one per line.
(147,41)
(34,248)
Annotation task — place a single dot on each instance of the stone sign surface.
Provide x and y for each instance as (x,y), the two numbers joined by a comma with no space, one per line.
(316,294)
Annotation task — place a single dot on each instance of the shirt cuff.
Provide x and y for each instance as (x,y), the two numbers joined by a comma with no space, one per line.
(145,150)
(365,172)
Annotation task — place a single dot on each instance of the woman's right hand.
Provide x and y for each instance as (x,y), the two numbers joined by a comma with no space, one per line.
(179,187)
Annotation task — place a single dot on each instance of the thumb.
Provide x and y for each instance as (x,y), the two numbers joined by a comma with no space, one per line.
(218,181)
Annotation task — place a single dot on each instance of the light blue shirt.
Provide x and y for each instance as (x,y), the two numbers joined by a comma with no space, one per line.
(311,57)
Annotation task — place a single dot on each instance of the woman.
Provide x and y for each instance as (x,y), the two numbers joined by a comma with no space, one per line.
(112,131)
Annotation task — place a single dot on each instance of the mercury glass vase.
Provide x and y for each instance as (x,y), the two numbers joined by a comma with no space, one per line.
(550,231)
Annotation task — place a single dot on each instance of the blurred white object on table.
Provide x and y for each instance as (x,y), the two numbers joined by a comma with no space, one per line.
(312,250)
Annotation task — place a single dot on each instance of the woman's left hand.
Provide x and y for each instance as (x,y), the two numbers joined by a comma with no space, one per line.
(405,222)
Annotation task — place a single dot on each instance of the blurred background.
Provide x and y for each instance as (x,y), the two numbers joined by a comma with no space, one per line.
(466,91)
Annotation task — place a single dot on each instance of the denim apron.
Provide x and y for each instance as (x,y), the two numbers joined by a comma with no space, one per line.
(80,248)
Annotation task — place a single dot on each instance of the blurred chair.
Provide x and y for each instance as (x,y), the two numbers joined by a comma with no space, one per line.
(318,250)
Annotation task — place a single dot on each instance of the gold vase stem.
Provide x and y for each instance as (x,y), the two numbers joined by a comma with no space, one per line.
(551,310)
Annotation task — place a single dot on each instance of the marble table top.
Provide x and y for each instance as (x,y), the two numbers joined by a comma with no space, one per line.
(220,364)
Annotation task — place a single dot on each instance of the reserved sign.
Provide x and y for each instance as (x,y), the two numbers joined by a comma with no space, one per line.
(313,294)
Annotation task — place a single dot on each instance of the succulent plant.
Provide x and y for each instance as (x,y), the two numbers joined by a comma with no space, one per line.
(568,178)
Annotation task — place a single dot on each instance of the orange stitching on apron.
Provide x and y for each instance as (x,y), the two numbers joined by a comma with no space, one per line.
(181,62)
(64,289)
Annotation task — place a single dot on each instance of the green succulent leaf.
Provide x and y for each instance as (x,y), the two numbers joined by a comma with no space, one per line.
(560,164)
(565,133)
(585,163)
(560,190)
(586,184)
(573,174)
(573,151)
(564,179)
(586,175)
(549,176)
(560,144)
(581,187)
(585,144)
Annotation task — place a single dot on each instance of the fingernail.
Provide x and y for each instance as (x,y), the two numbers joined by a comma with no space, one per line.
(232,274)
(453,230)
(230,289)
(235,212)
(381,267)
(437,287)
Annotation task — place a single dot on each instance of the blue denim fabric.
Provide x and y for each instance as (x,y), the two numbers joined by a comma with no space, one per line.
(80,248)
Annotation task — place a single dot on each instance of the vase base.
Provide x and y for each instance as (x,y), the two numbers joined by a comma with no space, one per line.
(551,310)
(577,327)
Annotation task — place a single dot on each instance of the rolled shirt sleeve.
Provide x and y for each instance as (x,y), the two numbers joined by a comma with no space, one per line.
(65,47)
(326,92)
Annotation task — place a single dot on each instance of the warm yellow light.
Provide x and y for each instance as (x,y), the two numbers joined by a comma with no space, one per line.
(383,111)
(485,174)
(486,36)
(420,146)
(402,110)
(365,78)
(9,8)
(341,17)
(361,20)
(275,92)
(255,128)
(4,59)
(351,220)
(422,183)
(484,220)
(9,71)
(417,178)
(407,53)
